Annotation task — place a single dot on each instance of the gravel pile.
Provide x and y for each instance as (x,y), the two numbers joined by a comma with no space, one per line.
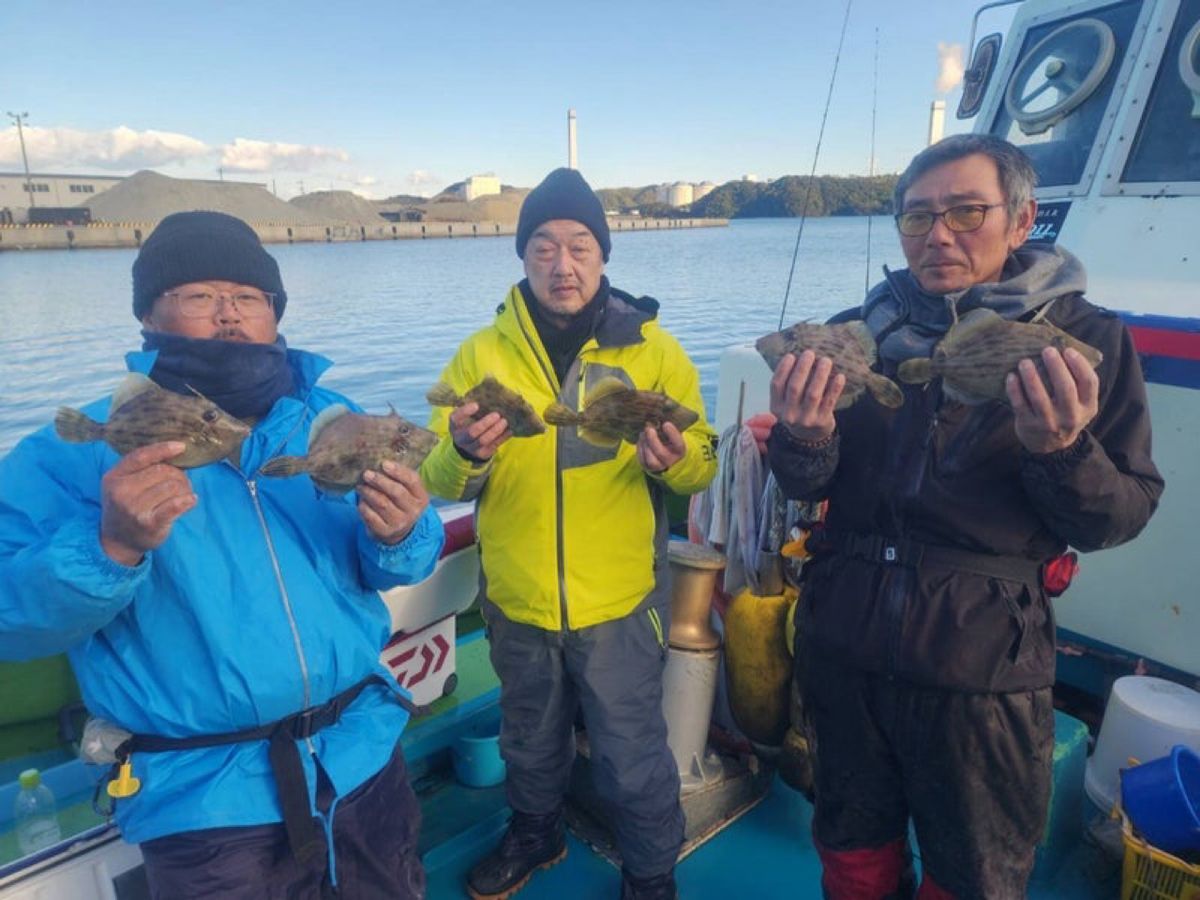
(503,207)
(149,196)
(339,206)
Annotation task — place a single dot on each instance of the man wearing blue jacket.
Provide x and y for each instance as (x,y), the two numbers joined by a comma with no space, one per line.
(230,623)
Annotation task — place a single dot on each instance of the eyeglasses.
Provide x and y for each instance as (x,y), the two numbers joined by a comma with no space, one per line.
(968,217)
(204,304)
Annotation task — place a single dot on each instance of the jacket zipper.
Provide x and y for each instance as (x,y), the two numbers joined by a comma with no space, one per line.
(287,603)
(560,562)
(898,587)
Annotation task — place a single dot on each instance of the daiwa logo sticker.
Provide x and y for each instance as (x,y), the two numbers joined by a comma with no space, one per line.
(1048,224)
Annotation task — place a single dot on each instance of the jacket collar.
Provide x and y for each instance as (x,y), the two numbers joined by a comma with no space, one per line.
(306,367)
(620,326)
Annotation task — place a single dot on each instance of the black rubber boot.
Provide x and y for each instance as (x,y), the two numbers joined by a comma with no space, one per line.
(660,887)
(531,843)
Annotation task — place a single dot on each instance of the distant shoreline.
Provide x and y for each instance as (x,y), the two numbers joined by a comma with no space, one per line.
(102,235)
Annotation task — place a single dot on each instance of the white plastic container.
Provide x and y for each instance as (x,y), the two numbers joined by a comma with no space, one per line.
(1145,717)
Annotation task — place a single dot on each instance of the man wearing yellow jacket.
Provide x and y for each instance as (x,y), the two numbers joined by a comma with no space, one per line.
(573,541)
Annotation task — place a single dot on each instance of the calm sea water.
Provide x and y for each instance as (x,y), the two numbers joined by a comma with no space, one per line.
(390,314)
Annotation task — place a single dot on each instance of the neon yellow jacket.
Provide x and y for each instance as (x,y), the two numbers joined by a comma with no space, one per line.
(571,533)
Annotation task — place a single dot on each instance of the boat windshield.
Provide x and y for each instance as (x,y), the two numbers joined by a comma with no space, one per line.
(1167,146)
(1058,92)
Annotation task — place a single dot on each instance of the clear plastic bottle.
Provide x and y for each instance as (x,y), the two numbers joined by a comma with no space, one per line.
(34,814)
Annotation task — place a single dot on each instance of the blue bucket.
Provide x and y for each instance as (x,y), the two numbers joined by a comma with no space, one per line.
(477,760)
(1162,800)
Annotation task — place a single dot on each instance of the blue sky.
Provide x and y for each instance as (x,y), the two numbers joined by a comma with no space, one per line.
(408,97)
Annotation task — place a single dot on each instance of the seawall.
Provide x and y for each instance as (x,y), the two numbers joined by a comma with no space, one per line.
(131,234)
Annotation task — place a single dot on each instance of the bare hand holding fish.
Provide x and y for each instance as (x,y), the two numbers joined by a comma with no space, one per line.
(804,394)
(658,453)
(478,438)
(390,502)
(140,499)
(1048,421)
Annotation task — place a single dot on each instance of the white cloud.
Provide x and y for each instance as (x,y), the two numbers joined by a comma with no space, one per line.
(118,148)
(244,155)
(421,180)
(950,67)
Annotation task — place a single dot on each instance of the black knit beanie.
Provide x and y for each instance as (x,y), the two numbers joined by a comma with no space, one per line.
(563,194)
(203,246)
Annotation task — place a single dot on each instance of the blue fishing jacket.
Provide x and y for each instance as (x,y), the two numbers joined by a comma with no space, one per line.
(262,601)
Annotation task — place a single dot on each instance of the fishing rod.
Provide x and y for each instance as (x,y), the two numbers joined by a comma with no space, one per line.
(871,164)
(816,156)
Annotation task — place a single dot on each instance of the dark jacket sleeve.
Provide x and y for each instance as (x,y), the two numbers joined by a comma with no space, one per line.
(1102,490)
(803,471)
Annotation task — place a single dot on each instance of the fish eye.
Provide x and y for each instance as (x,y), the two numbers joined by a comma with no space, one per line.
(210,415)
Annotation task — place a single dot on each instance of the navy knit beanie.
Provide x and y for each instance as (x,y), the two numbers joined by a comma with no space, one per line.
(203,246)
(563,194)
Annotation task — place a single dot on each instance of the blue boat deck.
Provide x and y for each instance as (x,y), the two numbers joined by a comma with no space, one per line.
(767,852)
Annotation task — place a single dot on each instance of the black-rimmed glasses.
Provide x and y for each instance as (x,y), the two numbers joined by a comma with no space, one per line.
(968,217)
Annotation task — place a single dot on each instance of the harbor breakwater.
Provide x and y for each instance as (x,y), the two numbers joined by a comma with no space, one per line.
(98,235)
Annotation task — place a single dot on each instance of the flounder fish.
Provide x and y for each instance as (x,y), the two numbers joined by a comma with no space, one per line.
(980,350)
(342,445)
(492,396)
(141,413)
(614,412)
(852,348)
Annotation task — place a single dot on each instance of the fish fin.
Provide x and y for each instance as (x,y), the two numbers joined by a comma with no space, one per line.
(441,394)
(885,391)
(131,385)
(915,371)
(865,338)
(609,384)
(1041,313)
(324,417)
(977,320)
(76,428)
(598,439)
(284,466)
(198,394)
(563,416)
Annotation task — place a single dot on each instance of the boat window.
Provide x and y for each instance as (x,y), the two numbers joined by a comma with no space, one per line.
(1167,145)
(1057,94)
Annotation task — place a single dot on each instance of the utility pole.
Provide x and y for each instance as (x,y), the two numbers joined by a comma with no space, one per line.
(25,159)
(301,184)
(221,173)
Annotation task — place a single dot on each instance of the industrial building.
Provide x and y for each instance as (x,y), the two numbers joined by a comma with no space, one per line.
(480,186)
(44,189)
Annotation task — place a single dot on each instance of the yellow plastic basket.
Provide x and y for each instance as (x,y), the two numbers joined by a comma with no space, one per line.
(1151,874)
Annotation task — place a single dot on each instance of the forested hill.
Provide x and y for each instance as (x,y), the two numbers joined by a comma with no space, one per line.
(831,196)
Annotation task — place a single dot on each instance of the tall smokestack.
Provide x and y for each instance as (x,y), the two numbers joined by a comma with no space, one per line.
(572,141)
(937,120)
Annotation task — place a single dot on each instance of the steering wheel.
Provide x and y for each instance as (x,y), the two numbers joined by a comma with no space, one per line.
(1070,61)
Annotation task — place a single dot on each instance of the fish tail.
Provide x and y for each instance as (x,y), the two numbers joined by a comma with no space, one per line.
(441,394)
(885,391)
(557,414)
(915,371)
(285,466)
(76,428)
